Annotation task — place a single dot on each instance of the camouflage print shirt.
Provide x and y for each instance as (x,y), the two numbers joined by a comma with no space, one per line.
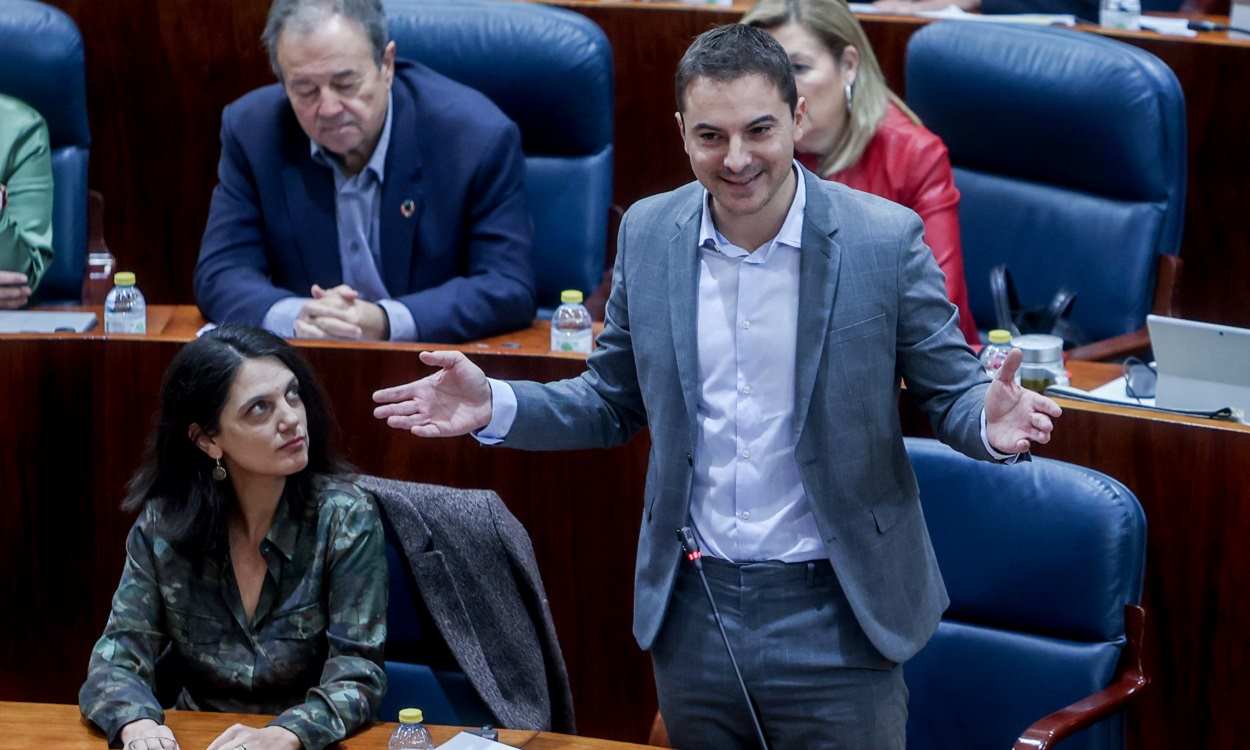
(312,652)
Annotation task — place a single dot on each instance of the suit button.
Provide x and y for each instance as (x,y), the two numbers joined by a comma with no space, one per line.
(689,458)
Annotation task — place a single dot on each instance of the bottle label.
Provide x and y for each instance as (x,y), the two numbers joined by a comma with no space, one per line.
(125,324)
(575,340)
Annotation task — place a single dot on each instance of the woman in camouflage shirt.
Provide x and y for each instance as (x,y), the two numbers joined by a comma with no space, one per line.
(255,573)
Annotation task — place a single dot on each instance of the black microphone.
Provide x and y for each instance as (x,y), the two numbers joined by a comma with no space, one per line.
(690,546)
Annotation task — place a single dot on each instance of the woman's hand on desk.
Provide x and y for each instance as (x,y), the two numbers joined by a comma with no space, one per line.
(256,738)
(146,734)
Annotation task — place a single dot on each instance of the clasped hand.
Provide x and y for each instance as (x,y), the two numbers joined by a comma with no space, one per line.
(339,313)
(14,290)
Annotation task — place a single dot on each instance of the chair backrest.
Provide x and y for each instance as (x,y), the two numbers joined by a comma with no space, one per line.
(550,71)
(1040,560)
(421,671)
(1070,155)
(42,63)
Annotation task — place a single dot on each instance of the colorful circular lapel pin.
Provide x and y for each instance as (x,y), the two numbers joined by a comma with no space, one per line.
(408,208)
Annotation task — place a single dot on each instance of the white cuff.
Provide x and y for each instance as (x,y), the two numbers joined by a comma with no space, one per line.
(280,317)
(502,413)
(1010,457)
(403,327)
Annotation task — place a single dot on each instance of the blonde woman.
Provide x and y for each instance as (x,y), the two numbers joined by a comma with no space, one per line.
(860,134)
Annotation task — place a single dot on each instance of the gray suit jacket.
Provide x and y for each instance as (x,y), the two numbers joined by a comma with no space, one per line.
(474,566)
(872,308)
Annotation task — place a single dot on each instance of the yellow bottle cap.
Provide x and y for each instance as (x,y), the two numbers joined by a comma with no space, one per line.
(571,297)
(999,336)
(124,278)
(411,716)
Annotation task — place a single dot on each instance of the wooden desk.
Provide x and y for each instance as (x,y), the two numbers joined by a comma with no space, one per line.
(649,38)
(26,726)
(77,408)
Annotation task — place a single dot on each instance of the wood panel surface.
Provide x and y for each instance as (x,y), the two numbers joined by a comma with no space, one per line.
(24,726)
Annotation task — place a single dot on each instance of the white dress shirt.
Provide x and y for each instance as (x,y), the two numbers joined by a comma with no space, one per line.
(747,500)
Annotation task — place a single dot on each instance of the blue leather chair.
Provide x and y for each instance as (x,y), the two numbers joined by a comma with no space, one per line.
(1043,562)
(550,70)
(41,63)
(421,671)
(1070,154)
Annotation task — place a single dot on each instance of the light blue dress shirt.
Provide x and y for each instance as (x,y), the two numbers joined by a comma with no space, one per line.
(747,500)
(357,210)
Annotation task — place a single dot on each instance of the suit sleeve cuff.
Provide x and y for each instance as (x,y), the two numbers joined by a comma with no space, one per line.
(502,413)
(280,318)
(403,327)
(1010,458)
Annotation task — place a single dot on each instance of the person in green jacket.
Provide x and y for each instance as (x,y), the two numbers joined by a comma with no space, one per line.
(25,202)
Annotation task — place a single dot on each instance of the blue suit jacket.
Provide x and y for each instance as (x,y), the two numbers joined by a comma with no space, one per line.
(460,262)
(872,307)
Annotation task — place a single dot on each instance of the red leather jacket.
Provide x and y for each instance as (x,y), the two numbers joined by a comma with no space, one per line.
(909,165)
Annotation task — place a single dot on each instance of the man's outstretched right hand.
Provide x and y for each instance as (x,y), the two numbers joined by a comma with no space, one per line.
(454,400)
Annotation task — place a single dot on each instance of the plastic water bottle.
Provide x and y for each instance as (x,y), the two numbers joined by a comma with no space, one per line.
(571,324)
(995,353)
(1120,14)
(125,311)
(411,734)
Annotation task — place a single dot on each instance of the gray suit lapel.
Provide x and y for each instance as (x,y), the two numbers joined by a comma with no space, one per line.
(683,294)
(819,262)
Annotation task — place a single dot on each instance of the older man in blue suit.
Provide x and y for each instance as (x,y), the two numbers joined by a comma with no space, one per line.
(759,322)
(364,197)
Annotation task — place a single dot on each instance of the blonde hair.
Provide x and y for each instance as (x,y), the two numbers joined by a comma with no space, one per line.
(832,22)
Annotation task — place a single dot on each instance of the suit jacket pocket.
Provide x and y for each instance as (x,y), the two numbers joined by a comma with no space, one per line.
(874,326)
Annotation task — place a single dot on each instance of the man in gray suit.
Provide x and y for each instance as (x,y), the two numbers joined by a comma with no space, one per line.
(759,322)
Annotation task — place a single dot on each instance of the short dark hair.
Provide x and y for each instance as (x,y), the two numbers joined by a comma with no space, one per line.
(176,475)
(304,13)
(730,52)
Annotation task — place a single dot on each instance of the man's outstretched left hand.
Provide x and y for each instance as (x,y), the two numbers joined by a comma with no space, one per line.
(1014,415)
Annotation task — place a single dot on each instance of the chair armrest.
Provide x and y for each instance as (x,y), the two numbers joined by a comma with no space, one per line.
(1114,347)
(659,733)
(597,301)
(1129,681)
(95,222)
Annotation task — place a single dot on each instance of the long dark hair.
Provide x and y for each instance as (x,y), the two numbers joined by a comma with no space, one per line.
(177,476)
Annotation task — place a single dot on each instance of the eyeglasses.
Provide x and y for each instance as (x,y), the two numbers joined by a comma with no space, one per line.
(1139,378)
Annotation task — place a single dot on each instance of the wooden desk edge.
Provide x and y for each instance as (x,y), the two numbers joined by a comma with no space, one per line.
(28,725)
(179,324)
